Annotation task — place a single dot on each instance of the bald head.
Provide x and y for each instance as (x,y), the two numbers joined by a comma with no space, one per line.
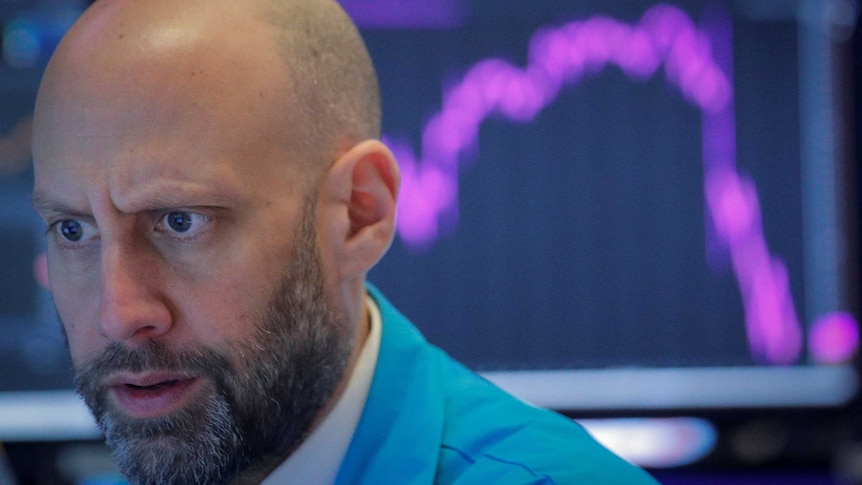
(335,84)
(297,66)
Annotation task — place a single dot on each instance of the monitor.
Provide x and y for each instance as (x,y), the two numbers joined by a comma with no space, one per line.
(606,207)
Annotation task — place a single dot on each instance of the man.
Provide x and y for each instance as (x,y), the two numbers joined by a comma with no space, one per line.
(215,193)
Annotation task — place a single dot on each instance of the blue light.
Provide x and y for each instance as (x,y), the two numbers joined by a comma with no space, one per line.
(21,44)
(30,38)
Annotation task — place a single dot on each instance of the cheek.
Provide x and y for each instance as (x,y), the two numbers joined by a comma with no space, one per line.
(225,306)
(238,274)
(77,318)
(77,307)
(83,344)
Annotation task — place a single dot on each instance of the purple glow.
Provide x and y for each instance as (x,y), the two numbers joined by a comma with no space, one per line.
(563,56)
(406,14)
(834,338)
(558,57)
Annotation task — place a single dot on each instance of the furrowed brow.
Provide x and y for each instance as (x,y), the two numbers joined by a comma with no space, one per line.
(45,204)
(171,196)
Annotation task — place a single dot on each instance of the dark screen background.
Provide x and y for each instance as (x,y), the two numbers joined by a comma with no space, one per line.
(581,237)
(580,240)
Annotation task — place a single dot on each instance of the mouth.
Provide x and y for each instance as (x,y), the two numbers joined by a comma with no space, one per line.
(153,387)
(152,395)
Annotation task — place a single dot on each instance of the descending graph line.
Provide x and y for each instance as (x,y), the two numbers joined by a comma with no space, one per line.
(563,56)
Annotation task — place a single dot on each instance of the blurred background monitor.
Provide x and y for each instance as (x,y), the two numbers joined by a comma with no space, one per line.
(626,205)
(609,208)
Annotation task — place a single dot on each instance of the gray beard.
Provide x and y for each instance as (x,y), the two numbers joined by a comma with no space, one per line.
(247,419)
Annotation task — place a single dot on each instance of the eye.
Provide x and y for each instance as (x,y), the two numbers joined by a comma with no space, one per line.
(73,230)
(182,222)
(179,221)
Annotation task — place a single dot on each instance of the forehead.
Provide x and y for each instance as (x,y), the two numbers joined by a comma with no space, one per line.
(129,101)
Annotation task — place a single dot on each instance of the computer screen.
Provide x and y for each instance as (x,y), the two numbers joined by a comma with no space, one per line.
(604,205)
(624,204)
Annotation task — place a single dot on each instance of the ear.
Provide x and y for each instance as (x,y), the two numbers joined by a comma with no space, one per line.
(359,192)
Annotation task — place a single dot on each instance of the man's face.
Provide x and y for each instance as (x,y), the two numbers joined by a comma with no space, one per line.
(260,407)
(181,252)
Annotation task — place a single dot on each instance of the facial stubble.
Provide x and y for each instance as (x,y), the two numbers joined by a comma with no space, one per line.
(251,415)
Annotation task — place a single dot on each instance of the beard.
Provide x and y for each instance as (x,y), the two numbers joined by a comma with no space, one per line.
(247,417)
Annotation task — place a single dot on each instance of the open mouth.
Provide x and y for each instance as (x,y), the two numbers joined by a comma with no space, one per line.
(153,397)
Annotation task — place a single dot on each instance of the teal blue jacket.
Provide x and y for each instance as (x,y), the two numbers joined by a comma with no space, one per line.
(429,420)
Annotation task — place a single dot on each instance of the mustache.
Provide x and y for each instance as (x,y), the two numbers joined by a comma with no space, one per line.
(117,358)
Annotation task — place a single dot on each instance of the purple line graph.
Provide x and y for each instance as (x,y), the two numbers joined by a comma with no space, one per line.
(697,62)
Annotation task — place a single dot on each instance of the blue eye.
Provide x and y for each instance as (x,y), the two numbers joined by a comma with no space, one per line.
(185,223)
(74,231)
(179,221)
(71,230)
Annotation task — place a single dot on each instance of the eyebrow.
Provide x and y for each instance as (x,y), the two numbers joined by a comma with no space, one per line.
(43,202)
(168,196)
(160,198)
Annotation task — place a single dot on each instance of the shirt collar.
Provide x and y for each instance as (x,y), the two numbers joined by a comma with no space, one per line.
(318,458)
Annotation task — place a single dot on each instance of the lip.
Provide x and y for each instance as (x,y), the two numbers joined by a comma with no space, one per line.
(153,394)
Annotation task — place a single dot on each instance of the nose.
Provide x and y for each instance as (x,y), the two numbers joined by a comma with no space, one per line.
(132,302)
